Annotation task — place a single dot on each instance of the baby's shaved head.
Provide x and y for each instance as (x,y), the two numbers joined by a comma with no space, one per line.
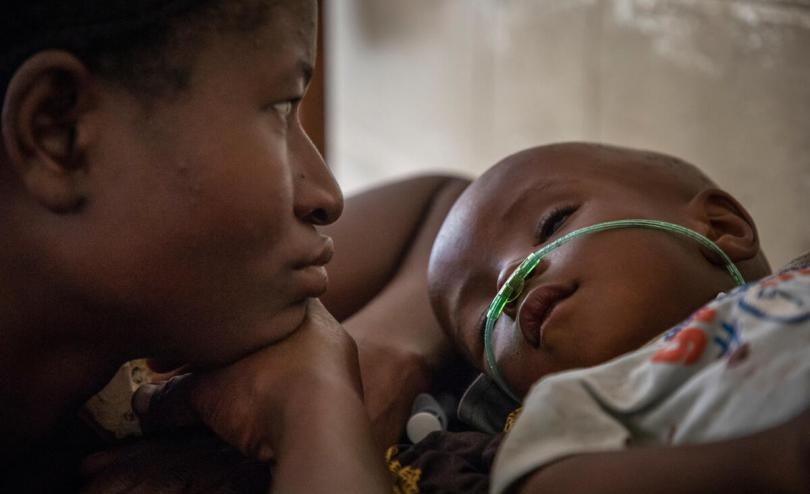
(628,285)
(648,168)
(685,177)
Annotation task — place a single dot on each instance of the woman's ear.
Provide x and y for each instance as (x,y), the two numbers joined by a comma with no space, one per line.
(727,224)
(46,100)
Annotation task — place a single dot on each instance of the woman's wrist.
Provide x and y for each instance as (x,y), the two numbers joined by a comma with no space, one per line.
(783,455)
(768,461)
(326,445)
(310,404)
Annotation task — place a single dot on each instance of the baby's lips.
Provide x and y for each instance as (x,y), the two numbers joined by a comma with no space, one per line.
(536,307)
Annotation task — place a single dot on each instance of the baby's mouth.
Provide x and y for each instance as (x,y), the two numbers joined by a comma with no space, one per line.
(538,307)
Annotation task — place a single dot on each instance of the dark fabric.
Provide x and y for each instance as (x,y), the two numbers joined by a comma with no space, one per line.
(445,462)
(51,465)
(484,406)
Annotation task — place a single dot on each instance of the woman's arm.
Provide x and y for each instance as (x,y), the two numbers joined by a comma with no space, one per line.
(379,291)
(377,235)
(775,461)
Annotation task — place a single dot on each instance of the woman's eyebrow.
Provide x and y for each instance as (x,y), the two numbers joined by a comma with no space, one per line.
(295,74)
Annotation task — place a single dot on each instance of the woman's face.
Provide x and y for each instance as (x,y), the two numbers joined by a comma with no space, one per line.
(206,206)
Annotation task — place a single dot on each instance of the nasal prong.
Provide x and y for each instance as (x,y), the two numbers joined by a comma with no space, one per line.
(515,285)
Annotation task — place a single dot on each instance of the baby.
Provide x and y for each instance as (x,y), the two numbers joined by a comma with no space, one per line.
(610,293)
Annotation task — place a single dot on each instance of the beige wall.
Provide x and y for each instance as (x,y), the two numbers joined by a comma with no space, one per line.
(458,84)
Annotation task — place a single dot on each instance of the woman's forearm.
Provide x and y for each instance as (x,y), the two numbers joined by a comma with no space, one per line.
(330,450)
(772,461)
(400,341)
(377,233)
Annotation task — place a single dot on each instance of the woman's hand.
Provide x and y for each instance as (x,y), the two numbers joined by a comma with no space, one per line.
(297,402)
(247,403)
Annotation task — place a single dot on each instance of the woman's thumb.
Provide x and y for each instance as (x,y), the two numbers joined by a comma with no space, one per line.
(166,405)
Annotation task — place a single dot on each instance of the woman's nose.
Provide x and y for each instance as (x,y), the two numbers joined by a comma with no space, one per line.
(318,199)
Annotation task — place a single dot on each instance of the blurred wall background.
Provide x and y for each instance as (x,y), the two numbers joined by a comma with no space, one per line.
(455,85)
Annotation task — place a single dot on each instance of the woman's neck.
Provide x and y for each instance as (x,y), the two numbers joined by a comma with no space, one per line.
(52,359)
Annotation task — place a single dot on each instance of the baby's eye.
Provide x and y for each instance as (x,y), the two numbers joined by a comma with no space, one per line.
(552,222)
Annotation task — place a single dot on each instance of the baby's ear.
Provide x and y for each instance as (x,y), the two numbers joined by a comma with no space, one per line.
(42,128)
(726,223)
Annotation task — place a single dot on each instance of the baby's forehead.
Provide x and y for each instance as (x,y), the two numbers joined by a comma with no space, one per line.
(499,196)
(554,166)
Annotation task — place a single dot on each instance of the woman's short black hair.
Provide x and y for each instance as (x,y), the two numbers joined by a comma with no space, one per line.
(146,45)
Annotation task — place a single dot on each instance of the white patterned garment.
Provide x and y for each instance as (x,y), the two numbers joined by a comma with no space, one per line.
(738,365)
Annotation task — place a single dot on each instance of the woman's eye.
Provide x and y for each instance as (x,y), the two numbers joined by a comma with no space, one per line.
(284,109)
(552,222)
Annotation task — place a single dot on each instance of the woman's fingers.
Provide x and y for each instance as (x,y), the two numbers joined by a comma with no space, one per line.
(166,405)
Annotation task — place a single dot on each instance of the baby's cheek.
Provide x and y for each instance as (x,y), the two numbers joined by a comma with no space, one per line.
(521,371)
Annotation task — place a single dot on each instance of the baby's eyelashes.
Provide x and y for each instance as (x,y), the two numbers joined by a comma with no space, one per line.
(552,222)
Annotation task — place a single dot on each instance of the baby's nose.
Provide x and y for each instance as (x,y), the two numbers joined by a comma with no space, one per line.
(516,284)
(505,272)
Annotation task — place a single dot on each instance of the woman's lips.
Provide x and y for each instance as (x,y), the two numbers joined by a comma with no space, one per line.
(537,308)
(311,272)
(319,256)
(312,281)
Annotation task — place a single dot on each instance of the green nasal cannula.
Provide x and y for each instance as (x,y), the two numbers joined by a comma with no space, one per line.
(513,287)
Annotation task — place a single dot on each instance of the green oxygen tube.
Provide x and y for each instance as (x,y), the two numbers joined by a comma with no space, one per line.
(513,286)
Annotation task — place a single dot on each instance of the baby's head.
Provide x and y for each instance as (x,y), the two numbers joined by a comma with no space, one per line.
(600,295)
(154,174)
